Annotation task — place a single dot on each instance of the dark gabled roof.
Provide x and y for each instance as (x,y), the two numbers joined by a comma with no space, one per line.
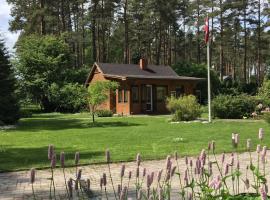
(130,71)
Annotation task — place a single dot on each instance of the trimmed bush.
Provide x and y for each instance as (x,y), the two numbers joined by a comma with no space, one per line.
(69,98)
(185,108)
(233,107)
(104,113)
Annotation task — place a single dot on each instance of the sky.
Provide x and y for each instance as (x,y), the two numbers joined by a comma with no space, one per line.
(10,38)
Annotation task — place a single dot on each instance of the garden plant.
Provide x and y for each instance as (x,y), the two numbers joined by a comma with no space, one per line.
(205,177)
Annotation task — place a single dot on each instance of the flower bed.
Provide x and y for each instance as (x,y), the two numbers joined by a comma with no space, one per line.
(205,177)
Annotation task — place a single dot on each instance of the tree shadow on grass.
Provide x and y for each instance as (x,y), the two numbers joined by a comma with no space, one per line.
(64,124)
(13,159)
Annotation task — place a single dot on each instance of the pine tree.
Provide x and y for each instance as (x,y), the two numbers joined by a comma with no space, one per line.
(9,109)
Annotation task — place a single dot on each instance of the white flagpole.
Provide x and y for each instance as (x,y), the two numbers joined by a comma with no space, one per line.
(208,81)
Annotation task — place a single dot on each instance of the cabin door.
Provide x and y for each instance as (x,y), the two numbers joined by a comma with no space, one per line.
(149,98)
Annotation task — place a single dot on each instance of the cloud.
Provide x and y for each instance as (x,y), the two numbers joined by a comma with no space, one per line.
(9,37)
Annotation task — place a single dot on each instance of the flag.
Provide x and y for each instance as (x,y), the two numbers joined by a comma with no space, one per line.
(206,30)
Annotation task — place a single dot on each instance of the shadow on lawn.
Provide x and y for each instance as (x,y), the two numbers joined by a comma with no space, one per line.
(13,159)
(63,124)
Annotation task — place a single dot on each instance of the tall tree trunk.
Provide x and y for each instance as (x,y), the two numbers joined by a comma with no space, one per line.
(198,34)
(245,41)
(42,21)
(126,51)
(63,16)
(259,42)
(93,30)
(221,53)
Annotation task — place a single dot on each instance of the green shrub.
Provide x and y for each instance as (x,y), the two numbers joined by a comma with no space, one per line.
(69,98)
(104,113)
(264,93)
(233,107)
(185,108)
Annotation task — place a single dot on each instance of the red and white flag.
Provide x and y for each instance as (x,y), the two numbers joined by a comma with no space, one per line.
(206,30)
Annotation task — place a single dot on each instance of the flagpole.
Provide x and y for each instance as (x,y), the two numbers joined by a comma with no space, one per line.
(208,82)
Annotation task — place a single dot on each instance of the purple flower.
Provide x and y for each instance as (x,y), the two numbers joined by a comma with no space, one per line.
(223,158)
(79,175)
(104,179)
(148,181)
(210,168)
(69,183)
(119,189)
(108,156)
(76,184)
(138,159)
(50,151)
(168,162)
(173,171)
(186,159)
(263,193)
(101,182)
(226,169)
(247,183)
(159,175)
(264,150)
(77,158)
(32,175)
(62,159)
(144,172)
(191,163)
(129,175)
(186,177)
(53,161)
(137,172)
(122,171)
(88,184)
(232,159)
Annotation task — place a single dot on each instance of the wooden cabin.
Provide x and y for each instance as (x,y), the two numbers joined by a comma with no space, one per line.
(143,88)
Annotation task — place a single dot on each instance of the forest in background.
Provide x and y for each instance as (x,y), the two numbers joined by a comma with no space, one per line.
(164,32)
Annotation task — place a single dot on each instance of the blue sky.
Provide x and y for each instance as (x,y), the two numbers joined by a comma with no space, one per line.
(10,38)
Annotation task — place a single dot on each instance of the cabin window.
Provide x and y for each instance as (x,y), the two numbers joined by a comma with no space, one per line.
(125,95)
(161,93)
(120,95)
(135,94)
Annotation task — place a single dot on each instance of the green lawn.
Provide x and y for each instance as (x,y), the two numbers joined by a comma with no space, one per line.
(153,136)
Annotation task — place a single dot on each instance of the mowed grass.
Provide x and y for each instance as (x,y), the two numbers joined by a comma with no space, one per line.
(152,136)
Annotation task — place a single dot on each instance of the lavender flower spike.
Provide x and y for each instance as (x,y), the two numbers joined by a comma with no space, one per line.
(32,175)
(258,148)
(50,151)
(62,159)
(263,193)
(79,175)
(53,161)
(122,171)
(129,175)
(104,179)
(138,159)
(108,156)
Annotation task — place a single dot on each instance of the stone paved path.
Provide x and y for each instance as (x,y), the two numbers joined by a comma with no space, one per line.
(15,185)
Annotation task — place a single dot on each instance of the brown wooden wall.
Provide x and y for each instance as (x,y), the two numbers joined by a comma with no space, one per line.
(129,107)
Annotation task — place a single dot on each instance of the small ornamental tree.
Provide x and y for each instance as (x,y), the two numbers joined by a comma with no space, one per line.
(9,108)
(98,93)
